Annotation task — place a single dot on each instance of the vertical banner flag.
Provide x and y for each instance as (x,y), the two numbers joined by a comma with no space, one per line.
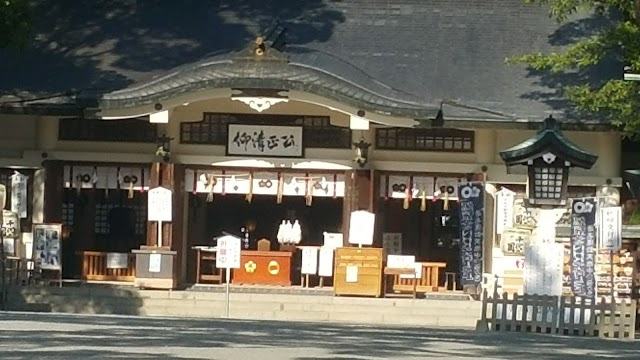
(19,194)
(471,209)
(504,214)
(583,247)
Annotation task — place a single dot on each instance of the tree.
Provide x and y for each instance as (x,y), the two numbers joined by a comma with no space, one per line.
(14,23)
(616,99)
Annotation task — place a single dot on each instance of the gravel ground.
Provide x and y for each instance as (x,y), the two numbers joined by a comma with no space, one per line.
(63,336)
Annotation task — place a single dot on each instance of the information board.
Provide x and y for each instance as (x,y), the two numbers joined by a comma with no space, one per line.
(471,229)
(228,255)
(583,247)
(159,204)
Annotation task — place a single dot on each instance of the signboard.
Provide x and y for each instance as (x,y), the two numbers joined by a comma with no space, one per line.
(504,212)
(471,227)
(583,247)
(361,227)
(159,204)
(155,263)
(117,260)
(228,255)
(19,194)
(47,249)
(333,240)
(325,266)
(543,273)
(264,140)
(400,261)
(610,228)
(309,260)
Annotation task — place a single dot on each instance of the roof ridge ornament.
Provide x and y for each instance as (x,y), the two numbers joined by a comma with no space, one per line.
(269,46)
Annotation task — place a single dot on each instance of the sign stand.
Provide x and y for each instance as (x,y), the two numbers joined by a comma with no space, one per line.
(160,208)
(159,233)
(228,257)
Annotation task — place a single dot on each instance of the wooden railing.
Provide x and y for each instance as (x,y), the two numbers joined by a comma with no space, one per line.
(427,283)
(558,315)
(95,267)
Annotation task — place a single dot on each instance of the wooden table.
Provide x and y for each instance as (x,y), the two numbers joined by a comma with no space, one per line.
(396,272)
(207,254)
(263,268)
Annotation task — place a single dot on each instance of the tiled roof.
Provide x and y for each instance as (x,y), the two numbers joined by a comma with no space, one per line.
(410,52)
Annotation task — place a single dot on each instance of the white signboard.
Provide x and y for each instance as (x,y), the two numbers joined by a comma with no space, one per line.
(543,270)
(159,204)
(155,263)
(504,212)
(117,260)
(333,240)
(10,225)
(228,256)
(325,266)
(19,194)
(361,227)
(264,140)
(610,228)
(400,261)
(309,260)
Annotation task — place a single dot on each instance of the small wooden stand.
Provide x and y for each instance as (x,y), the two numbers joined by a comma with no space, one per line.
(207,254)
(398,272)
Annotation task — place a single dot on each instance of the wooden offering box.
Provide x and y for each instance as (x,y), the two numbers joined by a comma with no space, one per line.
(358,271)
(263,268)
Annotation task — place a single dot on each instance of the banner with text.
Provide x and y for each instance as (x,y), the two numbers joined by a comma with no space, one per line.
(471,210)
(265,140)
(583,247)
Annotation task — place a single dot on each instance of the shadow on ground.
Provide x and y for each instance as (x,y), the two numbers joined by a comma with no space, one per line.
(30,336)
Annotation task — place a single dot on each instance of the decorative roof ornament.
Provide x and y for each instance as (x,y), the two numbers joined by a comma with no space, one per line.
(269,46)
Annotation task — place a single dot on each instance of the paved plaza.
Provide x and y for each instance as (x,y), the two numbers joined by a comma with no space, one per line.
(58,336)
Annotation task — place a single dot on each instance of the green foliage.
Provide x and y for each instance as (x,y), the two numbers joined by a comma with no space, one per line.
(14,23)
(616,99)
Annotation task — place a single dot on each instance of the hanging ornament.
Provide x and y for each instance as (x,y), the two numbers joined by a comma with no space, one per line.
(249,196)
(335,186)
(280,189)
(386,187)
(106,181)
(94,177)
(141,180)
(308,196)
(196,180)
(224,184)
(130,192)
(407,198)
(210,183)
(446,201)
(423,201)
(118,179)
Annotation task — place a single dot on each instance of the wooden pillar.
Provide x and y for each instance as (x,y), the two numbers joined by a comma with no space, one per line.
(170,176)
(359,195)
(53,191)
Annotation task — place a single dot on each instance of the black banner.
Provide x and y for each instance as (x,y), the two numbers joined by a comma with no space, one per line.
(583,247)
(471,197)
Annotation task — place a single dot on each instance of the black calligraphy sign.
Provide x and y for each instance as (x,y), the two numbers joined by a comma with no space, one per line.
(583,247)
(264,141)
(471,213)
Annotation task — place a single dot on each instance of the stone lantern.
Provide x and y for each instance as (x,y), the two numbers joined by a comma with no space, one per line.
(549,156)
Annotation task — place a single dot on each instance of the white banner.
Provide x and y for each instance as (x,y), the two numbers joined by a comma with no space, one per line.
(19,194)
(504,212)
(265,140)
(610,228)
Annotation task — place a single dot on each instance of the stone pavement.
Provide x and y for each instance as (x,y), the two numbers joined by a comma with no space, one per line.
(64,336)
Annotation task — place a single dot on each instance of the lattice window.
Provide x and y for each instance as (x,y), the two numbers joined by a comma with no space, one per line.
(317,130)
(444,140)
(138,130)
(67,213)
(102,218)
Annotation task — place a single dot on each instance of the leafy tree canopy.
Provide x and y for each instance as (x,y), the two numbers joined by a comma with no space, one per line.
(616,99)
(14,23)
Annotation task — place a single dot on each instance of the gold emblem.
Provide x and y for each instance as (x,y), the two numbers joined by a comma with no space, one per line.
(250,266)
(273,268)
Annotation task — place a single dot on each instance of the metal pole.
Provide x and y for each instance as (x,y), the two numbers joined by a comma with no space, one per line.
(159,233)
(228,275)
